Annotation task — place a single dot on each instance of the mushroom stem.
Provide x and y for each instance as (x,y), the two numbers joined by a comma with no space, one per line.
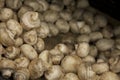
(6,73)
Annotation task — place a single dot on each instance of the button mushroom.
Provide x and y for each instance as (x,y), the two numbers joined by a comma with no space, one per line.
(7,67)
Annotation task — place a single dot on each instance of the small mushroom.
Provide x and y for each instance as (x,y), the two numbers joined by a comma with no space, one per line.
(114,64)
(70,63)
(14,4)
(30,20)
(89,59)
(56,6)
(51,16)
(62,25)
(100,67)
(43,5)
(101,20)
(32,4)
(14,27)
(85,30)
(29,51)
(22,62)
(75,26)
(83,38)
(43,31)
(6,14)
(18,42)
(12,52)
(40,45)
(53,30)
(93,51)
(109,76)
(54,73)
(88,16)
(30,37)
(6,37)
(21,74)
(56,56)
(45,57)
(104,44)
(83,49)
(23,10)
(7,67)
(63,48)
(36,68)
(94,36)
(70,76)
(82,3)
(85,71)
(66,15)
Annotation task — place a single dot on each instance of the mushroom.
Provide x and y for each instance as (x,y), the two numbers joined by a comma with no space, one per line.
(22,62)
(45,57)
(88,16)
(100,68)
(83,49)
(82,4)
(66,15)
(114,64)
(51,16)
(30,37)
(53,30)
(101,20)
(56,56)
(54,73)
(75,26)
(43,31)
(56,6)
(85,30)
(12,52)
(93,51)
(89,59)
(94,36)
(23,10)
(43,5)
(21,74)
(109,76)
(70,76)
(36,68)
(14,27)
(70,63)
(40,45)
(30,20)
(83,38)
(29,51)
(7,67)
(104,44)
(18,42)
(14,4)
(32,4)
(6,14)
(85,71)
(63,48)
(6,37)
(62,25)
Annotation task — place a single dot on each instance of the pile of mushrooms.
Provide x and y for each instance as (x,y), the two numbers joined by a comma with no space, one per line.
(57,40)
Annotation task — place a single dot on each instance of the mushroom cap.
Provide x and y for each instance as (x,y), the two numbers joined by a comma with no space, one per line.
(7,64)
(36,68)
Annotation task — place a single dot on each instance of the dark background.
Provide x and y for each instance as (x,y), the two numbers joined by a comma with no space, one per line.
(110,7)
